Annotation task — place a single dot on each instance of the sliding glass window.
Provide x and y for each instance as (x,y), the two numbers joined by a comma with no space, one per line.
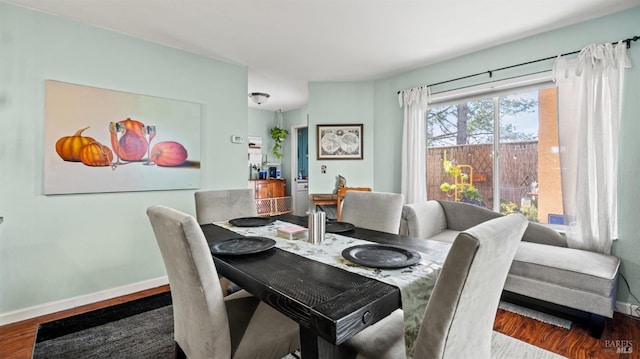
(499,152)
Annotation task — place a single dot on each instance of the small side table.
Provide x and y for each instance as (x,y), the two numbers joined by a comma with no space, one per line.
(323,199)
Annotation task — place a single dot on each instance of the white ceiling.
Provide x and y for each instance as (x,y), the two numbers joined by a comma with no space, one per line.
(286,43)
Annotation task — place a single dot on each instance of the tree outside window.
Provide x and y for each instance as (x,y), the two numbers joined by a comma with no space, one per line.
(463,134)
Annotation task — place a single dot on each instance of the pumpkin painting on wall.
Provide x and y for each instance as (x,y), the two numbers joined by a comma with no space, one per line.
(99,140)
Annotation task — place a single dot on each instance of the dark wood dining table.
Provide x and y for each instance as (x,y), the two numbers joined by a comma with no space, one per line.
(329,304)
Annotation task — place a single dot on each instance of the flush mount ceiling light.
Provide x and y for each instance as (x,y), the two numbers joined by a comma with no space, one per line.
(259,97)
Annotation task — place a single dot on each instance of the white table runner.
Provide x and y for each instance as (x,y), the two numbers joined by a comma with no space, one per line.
(415,282)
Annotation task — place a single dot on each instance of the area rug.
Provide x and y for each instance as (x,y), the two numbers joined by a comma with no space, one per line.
(506,347)
(138,329)
(534,314)
(144,329)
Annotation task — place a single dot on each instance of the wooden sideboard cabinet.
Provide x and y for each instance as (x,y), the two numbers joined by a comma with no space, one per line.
(269,188)
(270,196)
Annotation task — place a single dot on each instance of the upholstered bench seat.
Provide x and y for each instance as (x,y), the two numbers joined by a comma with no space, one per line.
(544,271)
(566,267)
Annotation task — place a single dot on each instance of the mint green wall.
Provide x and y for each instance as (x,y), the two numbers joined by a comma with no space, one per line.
(260,124)
(59,247)
(388,115)
(376,105)
(297,117)
(341,103)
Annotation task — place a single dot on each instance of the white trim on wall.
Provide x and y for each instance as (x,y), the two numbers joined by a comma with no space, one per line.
(52,307)
(492,89)
(628,309)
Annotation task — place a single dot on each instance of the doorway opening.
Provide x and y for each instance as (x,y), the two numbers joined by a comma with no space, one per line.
(300,169)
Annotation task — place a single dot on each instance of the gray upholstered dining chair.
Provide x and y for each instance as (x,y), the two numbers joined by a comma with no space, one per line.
(222,205)
(378,211)
(458,320)
(206,324)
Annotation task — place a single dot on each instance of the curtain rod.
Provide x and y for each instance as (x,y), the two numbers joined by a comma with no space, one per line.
(490,72)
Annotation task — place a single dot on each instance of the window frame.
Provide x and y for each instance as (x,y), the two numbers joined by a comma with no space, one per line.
(493,90)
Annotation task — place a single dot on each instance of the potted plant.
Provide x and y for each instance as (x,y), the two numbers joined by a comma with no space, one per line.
(278,134)
(463,190)
(470,194)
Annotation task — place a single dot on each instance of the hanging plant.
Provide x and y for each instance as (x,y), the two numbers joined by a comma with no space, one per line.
(278,134)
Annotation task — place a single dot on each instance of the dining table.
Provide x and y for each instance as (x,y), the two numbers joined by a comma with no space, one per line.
(330,303)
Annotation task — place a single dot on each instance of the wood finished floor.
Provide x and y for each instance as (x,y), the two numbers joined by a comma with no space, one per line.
(16,339)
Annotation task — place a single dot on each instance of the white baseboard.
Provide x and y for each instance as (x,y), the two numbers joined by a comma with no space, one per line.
(628,309)
(52,307)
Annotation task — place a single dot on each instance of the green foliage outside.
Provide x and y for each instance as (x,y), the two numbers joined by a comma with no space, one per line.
(531,212)
(463,191)
(472,122)
(508,207)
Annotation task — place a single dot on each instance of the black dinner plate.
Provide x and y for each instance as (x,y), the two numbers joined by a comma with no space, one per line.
(242,245)
(251,221)
(338,227)
(381,256)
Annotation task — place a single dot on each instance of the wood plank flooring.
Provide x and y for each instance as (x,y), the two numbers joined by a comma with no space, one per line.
(575,343)
(17,339)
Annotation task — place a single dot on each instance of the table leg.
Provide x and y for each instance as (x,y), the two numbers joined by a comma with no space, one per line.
(315,347)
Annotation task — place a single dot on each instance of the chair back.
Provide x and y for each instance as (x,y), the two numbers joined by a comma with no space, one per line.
(373,210)
(222,205)
(423,219)
(340,194)
(458,321)
(201,326)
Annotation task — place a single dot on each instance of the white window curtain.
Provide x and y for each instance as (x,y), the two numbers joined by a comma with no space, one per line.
(589,105)
(414,144)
